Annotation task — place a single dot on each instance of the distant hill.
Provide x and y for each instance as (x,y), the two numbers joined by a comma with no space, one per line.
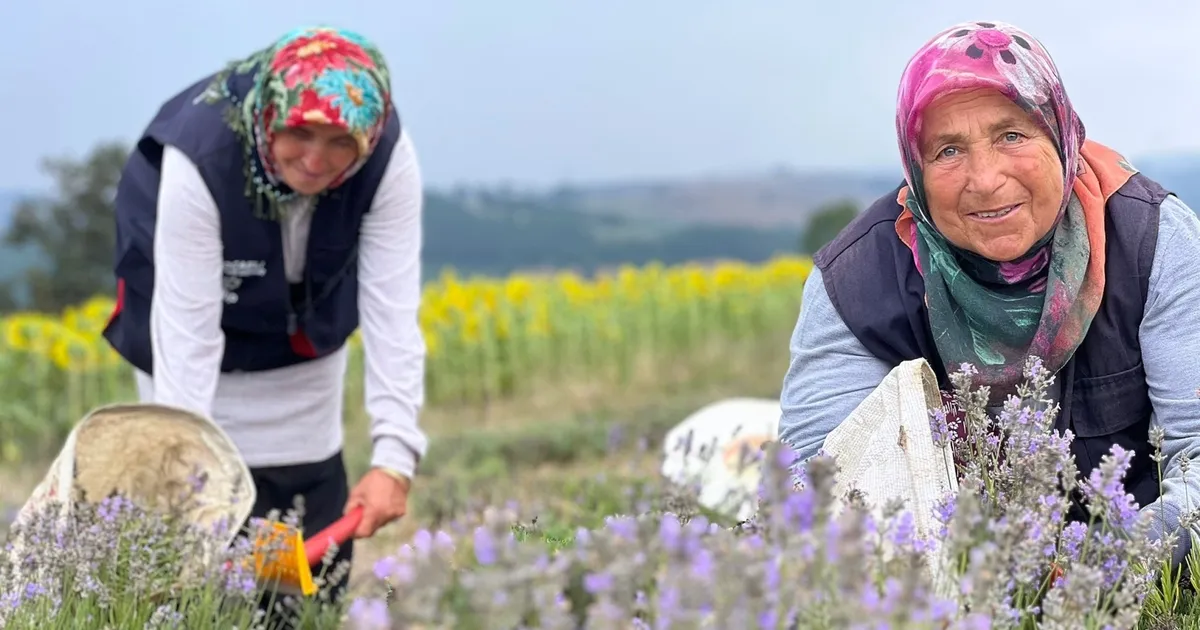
(497,233)
(748,217)
(788,199)
(781,199)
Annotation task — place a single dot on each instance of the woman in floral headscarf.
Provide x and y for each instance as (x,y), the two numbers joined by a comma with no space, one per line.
(264,213)
(1012,236)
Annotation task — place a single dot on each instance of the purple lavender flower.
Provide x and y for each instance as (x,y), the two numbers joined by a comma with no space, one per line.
(386,567)
(442,541)
(670,531)
(485,546)
(903,533)
(1105,489)
(799,510)
(703,564)
(623,526)
(369,614)
(786,456)
(598,582)
(944,510)
(423,541)
(940,427)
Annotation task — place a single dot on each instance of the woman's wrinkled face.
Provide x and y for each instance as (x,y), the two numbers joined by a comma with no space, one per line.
(310,157)
(993,179)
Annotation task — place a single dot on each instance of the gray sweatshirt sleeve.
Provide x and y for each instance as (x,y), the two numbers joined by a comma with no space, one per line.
(829,374)
(1170,335)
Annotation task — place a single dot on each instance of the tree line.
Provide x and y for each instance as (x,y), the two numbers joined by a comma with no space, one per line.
(497,232)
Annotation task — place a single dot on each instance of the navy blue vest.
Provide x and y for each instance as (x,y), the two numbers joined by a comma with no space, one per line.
(875,287)
(267,322)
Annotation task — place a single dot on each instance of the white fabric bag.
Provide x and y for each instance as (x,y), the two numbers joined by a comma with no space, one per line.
(885,450)
(149,454)
(708,451)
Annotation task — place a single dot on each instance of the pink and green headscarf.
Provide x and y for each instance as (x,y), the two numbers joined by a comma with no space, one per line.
(995,314)
(310,75)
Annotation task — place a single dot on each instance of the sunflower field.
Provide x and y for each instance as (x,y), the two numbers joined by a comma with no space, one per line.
(487,339)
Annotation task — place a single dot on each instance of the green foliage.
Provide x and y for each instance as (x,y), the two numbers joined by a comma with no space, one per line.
(75,229)
(1173,603)
(826,224)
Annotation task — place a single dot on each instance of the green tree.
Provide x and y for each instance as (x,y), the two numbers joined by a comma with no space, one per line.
(825,225)
(74,232)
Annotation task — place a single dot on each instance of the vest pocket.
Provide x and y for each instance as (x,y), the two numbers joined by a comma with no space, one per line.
(1104,405)
(1115,409)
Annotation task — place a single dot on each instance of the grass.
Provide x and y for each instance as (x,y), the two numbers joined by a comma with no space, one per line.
(595,446)
(566,456)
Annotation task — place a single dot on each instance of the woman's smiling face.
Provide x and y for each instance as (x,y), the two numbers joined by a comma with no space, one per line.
(993,179)
(308,158)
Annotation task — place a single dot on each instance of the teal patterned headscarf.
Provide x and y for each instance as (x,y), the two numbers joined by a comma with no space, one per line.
(310,75)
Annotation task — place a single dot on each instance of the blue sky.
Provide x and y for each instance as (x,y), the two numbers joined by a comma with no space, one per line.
(539,91)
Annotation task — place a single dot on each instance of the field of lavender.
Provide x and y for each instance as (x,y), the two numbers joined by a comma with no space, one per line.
(575,531)
(544,508)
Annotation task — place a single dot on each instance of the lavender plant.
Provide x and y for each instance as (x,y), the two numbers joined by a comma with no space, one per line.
(652,570)
(114,564)
(1019,561)
(810,559)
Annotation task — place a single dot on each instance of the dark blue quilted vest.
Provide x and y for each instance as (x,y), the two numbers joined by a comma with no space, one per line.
(268,323)
(874,285)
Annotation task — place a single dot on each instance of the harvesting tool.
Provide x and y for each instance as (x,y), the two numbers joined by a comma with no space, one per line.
(284,560)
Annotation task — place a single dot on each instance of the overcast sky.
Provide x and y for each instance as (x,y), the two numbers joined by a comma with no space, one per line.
(540,91)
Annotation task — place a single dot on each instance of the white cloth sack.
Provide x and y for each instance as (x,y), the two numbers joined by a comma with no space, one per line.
(871,455)
(149,454)
(885,450)
(715,464)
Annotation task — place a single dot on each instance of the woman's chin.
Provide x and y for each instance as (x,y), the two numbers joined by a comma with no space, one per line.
(304,184)
(1002,249)
(308,188)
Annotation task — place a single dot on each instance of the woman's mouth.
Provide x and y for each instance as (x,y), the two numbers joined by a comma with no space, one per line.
(994,215)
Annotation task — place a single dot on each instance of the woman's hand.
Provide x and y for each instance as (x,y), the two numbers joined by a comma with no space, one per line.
(384,497)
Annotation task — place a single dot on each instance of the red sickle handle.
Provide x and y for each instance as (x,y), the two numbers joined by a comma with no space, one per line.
(340,531)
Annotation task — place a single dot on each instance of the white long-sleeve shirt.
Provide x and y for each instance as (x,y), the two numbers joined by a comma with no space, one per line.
(293,414)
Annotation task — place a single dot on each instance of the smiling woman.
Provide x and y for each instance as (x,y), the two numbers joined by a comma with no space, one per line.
(310,157)
(265,211)
(993,177)
(1013,236)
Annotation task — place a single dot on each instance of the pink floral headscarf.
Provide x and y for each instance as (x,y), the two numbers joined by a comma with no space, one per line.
(995,315)
(986,54)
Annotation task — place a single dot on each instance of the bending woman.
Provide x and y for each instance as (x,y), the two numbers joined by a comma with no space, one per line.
(265,213)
